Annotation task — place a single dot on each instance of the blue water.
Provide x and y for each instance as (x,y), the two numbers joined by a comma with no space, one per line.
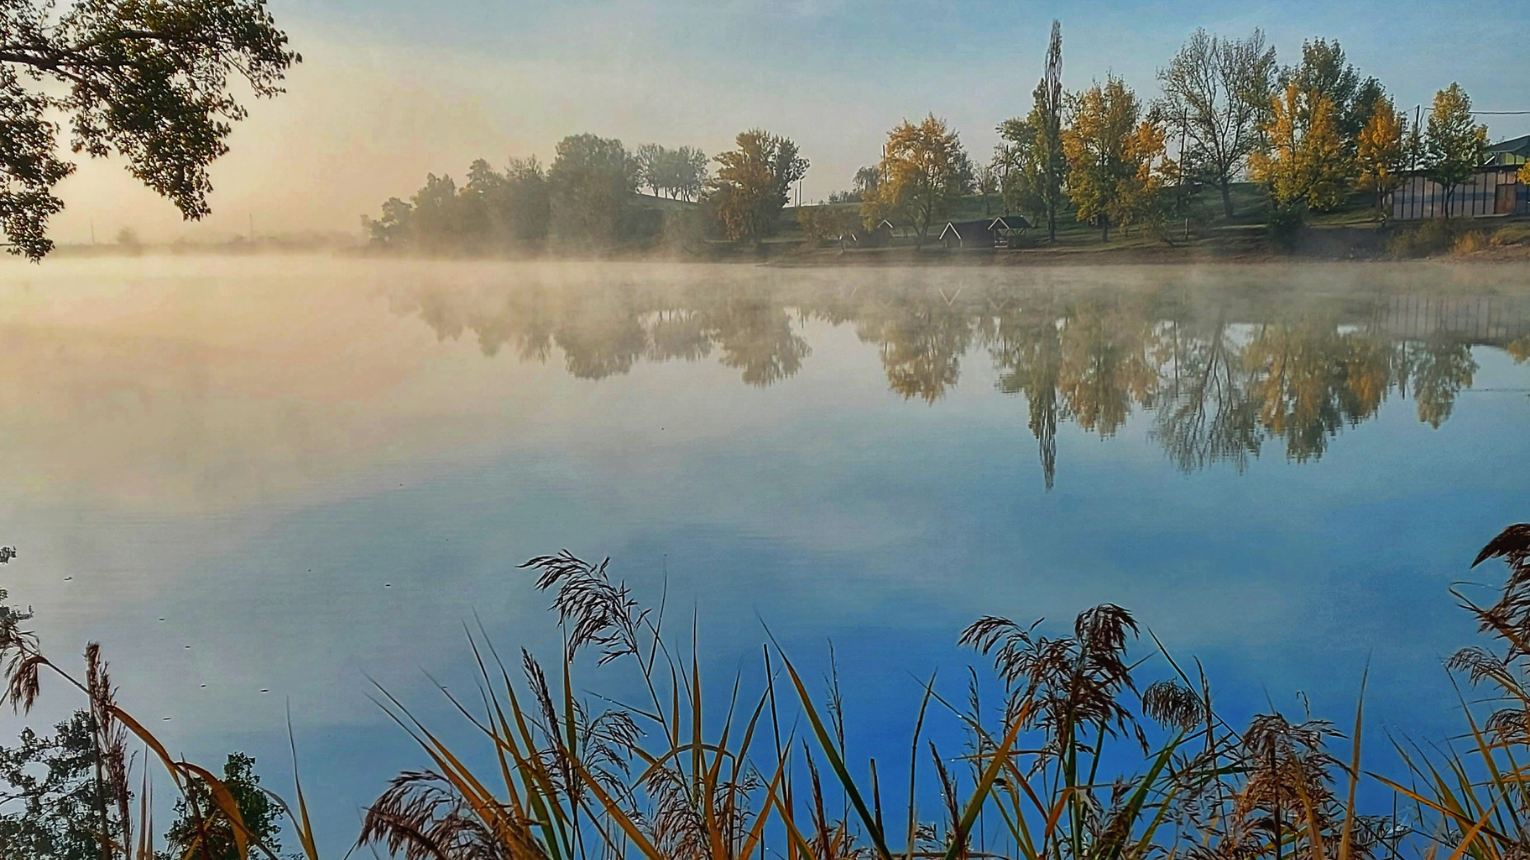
(261,483)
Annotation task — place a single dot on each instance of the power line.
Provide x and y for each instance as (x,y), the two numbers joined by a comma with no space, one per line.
(1501,112)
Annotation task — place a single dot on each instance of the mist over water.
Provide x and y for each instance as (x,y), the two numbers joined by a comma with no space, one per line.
(288,475)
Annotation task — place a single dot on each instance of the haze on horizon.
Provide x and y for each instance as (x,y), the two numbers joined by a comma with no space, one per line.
(391,90)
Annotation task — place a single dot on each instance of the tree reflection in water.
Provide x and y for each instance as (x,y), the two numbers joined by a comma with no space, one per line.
(1206,414)
(1220,374)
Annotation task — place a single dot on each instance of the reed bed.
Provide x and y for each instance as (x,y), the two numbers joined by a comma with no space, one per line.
(690,772)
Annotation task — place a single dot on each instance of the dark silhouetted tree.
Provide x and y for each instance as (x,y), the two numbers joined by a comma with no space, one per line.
(55,799)
(148,81)
(201,830)
(591,182)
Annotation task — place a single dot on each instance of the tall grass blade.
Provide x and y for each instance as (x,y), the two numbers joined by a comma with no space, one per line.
(826,742)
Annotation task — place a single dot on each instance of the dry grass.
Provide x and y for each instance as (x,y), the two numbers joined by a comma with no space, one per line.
(1457,237)
(562,778)
(1470,242)
(111,726)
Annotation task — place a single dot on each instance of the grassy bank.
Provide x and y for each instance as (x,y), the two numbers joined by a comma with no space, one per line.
(1355,230)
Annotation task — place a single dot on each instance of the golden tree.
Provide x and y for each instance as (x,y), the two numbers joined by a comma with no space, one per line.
(1305,163)
(822,223)
(753,183)
(924,172)
(1379,151)
(1141,197)
(1111,155)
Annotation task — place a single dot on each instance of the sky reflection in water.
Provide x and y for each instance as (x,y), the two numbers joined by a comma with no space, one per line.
(315,471)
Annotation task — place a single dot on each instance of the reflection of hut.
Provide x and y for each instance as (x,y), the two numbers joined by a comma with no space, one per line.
(869,237)
(1494,189)
(969,234)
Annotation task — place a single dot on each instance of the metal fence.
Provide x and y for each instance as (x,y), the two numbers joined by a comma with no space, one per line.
(1494,191)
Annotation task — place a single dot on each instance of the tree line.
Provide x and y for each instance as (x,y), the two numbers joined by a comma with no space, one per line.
(154,88)
(591,197)
(1310,134)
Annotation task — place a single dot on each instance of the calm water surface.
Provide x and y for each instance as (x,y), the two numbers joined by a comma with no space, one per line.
(262,481)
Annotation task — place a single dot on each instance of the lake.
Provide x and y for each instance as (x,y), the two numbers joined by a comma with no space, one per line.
(261,482)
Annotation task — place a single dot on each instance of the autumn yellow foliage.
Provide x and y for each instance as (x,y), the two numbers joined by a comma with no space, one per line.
(1379,151)
(1115,158)
(1305,162)
(925,172)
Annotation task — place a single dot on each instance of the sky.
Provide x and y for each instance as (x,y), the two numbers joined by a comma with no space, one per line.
(390,90)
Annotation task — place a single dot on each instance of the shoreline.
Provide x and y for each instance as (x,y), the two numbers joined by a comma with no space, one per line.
(833,259)
(1235,247)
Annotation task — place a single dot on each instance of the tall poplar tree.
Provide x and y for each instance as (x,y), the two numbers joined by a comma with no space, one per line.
(1047,117)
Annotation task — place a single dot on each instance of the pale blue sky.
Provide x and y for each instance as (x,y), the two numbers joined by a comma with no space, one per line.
(393,89)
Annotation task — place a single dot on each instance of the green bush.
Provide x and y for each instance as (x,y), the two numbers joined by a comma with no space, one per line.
(1285,225)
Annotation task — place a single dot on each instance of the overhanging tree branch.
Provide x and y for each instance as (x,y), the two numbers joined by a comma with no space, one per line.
(147,80)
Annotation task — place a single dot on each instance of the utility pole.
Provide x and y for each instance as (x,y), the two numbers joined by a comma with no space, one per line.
(1418,118)
(92,231)
(252,228)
